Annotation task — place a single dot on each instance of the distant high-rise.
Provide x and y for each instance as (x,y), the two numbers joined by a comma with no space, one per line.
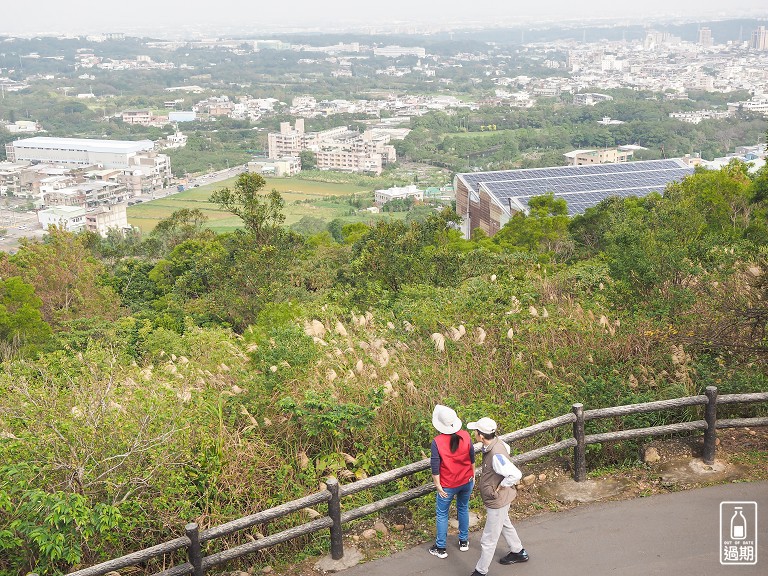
(759,39)
(705,37)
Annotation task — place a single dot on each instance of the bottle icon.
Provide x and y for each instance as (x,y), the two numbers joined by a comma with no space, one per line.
(738,525)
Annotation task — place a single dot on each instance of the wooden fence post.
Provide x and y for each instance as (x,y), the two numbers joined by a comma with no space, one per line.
(334,511)
(579,451)
(710,434)
(194,553)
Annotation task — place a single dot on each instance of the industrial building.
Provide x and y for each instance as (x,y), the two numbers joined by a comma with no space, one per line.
(487,200)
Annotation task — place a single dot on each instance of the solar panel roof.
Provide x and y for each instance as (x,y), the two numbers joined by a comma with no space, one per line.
(580,186)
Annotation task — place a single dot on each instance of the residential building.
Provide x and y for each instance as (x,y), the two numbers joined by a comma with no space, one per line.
(600,156)
(759,105)
(398,193)
(176,140)
(105,218)
(705,37)
(71,218)
(696,116)
(10,178)
(590,98)
(88,194)
(759,39)
(336,149)
(137,117)
(289,141)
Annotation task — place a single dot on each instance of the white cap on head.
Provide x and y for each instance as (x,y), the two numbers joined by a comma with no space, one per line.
(484,425)
(445,420)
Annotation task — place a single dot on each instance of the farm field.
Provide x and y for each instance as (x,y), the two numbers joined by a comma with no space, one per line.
(302,198)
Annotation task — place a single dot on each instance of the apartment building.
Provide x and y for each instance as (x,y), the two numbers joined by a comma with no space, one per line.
(759,40)
(77,219)
(705,37)
(590,98)
(759,105)
(10,178)
(338,148)
(89,194)
(289,141)
(105,218)
(696,116)
(137,117)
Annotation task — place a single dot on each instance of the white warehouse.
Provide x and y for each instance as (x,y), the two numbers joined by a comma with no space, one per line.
(77,151)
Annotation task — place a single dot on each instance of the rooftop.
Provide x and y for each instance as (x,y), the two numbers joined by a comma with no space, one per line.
(580,186)
(85,144)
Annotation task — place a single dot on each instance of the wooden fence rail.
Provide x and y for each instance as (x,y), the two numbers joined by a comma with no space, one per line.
(197,564)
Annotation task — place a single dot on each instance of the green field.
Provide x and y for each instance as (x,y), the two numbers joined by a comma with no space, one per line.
(302,198)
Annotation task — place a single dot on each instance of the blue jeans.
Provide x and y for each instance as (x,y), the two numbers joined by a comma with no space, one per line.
(442,506)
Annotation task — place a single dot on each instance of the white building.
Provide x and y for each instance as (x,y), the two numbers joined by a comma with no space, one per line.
(398,51)
(336,149)
(282,167)
(76,151)
(144,170)
(23,126)
(590,98)
(759,105)
(398,193)
(71,218)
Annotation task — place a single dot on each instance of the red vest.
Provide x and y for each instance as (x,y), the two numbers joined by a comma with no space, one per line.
(456,469)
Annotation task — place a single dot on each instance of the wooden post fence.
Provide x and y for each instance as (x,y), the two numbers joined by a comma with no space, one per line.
(194,554)
(580,450)
(710,417)
(198,565)
(334,511)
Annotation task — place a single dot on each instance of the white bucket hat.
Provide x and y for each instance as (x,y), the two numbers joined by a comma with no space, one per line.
(445,420)
(484,425)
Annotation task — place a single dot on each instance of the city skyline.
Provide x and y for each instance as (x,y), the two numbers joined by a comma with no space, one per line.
(173,17)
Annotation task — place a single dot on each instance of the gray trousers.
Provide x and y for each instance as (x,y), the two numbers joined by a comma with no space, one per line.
(497,523)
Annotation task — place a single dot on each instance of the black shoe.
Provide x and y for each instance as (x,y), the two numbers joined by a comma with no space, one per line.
(463,545)
(439,552)
(515,557)
(476,573)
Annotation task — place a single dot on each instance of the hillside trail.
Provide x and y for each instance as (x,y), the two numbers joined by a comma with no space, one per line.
(657,517)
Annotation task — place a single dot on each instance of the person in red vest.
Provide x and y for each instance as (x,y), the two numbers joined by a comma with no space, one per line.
(452,462)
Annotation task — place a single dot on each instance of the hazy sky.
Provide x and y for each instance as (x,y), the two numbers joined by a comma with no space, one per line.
(91,16)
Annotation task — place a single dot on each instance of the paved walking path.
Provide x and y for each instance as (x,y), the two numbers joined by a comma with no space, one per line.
(674,534)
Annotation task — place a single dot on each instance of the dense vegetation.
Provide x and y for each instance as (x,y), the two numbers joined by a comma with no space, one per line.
(148,382)
(499,138)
